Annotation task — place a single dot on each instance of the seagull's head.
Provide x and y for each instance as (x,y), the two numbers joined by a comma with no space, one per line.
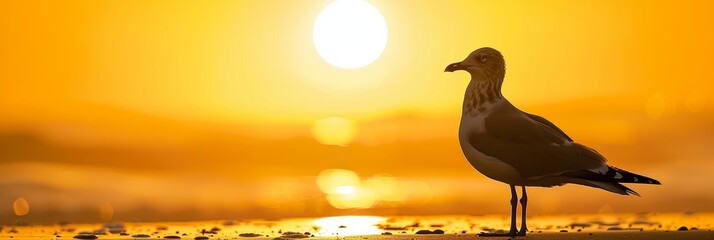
(483,64)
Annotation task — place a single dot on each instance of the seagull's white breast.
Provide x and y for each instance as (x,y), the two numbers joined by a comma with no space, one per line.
(492,167)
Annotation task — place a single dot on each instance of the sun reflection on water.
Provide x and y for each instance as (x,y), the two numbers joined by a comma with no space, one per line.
(348,225)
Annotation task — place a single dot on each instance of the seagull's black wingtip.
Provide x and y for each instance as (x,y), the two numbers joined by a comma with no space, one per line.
(631,192)
(653,181)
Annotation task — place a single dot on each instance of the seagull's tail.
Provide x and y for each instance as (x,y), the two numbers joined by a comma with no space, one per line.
(609,186)
(623,176)
(612,174)
(609,180)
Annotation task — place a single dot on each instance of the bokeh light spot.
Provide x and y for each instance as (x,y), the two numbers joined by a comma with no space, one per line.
(21,207)
(330,180)
(345,190)
(360,198)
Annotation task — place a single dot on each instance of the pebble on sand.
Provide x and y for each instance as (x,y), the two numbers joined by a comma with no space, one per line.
(291,236)
(250,235)
(201,238)
(563,231)
(141,235)
(624,229)
(85,236)
(643,222)
(682,228)
(424,231)
(172,237)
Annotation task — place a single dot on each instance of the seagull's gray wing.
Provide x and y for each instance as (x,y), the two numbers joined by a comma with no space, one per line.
(534,149)
(547,123)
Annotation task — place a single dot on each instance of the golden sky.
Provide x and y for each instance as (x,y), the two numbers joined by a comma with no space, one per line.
(224,109)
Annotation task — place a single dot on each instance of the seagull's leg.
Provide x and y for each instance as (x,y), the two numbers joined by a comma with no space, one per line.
(514,205)
(524,202)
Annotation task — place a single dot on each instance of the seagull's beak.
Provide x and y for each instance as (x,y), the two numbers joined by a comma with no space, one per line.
(454,67)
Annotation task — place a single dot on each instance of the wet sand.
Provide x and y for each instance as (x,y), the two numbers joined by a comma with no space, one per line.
(692,235)
(614,226)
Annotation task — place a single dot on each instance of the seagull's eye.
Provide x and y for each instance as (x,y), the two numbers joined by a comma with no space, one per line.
(483,58)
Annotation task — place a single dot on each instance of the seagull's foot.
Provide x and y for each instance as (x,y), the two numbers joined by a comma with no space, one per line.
(511,233)
(522,232)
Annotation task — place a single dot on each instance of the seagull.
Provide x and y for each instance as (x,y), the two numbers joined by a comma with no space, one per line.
(522,149)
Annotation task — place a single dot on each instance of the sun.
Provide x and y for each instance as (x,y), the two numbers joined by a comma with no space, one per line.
(350,33)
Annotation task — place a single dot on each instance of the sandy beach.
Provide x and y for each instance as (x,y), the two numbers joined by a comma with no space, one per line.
(609,226)
(653,235)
